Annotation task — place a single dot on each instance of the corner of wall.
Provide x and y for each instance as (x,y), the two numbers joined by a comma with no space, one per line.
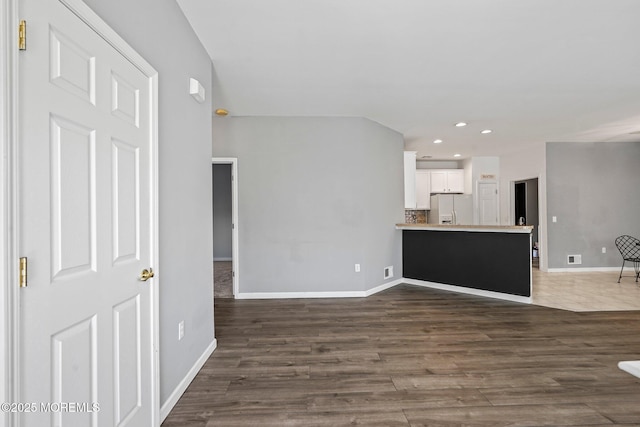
(181,387)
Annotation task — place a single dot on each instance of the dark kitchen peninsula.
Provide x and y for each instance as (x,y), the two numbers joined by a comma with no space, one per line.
(485,260)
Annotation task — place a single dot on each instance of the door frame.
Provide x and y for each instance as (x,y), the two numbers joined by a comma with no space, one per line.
(512,199)
(9,202)
(9,301)
(233,161)
(542,239)
(512,196)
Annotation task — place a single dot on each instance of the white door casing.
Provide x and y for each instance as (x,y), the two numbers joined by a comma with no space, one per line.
(8,264)
(235,250)
(488,203)
(88,209)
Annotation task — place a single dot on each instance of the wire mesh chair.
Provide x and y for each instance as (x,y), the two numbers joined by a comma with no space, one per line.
(629,248)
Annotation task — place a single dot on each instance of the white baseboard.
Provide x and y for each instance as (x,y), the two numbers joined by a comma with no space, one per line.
(630,366)
(470,291)
(330,294)
(298,295)
(383,287)
(222,259)
(583,269)
(182,386)
(380,288)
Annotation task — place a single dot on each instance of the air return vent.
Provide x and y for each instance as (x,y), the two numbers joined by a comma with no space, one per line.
(574,259)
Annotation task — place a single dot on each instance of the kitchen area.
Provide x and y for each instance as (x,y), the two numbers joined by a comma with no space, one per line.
(441,192)
(451,237)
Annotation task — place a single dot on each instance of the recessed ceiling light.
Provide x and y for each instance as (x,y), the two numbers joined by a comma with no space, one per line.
(486,131)
(437,141)
(457,155)
(460,124)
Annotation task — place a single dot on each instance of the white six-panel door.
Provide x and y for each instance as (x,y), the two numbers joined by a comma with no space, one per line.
(86,203)
(488,203)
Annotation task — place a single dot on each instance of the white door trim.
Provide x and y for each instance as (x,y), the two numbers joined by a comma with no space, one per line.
(8,207)
(233,161)
(9,188)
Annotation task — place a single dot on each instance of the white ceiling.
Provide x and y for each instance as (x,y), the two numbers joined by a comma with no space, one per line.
(533,71)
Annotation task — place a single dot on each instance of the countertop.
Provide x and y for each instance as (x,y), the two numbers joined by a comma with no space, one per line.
(471,228)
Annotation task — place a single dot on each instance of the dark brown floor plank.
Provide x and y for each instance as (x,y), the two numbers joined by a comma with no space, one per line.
(309,419)
(511,416)
(413,356)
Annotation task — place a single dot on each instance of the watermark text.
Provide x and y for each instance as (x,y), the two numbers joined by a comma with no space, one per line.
(81,407)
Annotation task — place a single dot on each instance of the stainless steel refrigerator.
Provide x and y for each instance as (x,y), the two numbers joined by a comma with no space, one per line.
(451,209)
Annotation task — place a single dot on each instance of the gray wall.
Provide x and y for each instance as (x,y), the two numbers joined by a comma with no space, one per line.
(158,30)
(222,212)
(316,196)
(593,190)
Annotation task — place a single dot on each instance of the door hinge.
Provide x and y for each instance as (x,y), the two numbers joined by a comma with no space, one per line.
(22,35)
(23,272)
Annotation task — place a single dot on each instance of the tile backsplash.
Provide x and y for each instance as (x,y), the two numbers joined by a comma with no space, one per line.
(415,217)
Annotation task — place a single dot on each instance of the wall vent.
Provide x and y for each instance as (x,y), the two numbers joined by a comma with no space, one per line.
(388,272)
(574,259)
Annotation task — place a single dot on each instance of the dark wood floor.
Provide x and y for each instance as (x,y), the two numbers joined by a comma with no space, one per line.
(412,357)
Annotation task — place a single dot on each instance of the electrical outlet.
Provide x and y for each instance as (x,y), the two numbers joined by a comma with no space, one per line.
(357,268)
(388,272)
(554,219)
(180,330)
(604,250)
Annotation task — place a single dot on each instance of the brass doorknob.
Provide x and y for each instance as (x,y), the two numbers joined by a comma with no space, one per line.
(146,274)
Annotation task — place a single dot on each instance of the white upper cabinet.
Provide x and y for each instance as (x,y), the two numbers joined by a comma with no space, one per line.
(447,181)
(438,181)
(455,181)
(423,189)
(409,179)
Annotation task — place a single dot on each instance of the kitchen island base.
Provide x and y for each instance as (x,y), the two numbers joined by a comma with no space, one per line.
(487,261)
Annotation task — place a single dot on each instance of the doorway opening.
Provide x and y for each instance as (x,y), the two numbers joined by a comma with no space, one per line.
(526,212)
(225,230)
